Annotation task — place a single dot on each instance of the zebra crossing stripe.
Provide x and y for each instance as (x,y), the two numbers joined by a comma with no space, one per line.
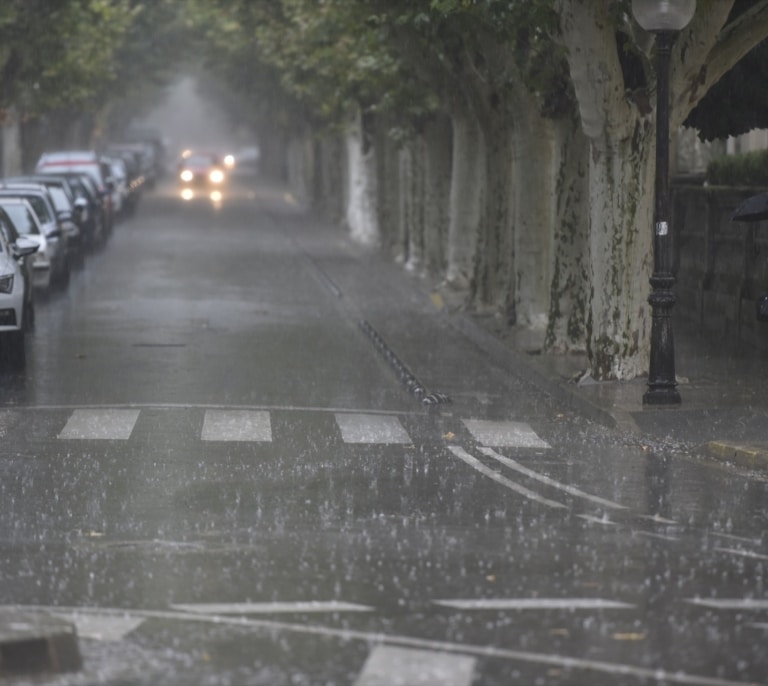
(504,434)
(237,425)
(371,428)
(100,424)
(395,666)
(101,628)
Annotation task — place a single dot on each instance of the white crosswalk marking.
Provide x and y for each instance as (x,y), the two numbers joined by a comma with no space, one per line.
(237,425)
(100,424)
(504,434)
(98,628)
(393,666)
(371,428)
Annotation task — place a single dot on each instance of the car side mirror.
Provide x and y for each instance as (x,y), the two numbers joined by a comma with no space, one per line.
(24,247)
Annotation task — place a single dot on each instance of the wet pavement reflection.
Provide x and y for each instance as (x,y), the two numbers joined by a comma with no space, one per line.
(212,472)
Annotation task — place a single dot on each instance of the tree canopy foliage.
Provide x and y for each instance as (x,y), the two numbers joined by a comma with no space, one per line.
(296,60)
(80,54)
(737,103)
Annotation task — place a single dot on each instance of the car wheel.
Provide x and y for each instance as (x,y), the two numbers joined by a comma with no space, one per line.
(13,351)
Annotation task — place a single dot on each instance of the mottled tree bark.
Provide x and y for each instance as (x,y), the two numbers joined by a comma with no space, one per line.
(467,192)
(534,190)
(438,139)
(362,215)
(569,287)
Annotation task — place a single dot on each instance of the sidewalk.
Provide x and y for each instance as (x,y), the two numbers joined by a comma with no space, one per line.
(724,386)
(724,390)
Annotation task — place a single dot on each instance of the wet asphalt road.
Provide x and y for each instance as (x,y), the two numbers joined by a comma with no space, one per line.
(211,468)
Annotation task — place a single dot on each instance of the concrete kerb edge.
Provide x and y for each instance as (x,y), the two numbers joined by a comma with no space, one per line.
(524,368)
(750,456)
(36,644)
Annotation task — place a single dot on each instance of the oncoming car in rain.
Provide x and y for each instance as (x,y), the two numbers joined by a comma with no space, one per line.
(202,169)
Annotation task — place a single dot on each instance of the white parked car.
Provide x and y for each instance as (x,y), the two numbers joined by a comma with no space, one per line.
(53,227)
(16,295)
(71,161)
(116,171)
(25,221)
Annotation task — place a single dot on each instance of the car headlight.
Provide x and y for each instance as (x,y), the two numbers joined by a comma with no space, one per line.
(6,283)
(187,176)
(216,176)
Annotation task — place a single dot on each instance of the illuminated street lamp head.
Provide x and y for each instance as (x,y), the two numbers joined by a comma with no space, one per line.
(663,15)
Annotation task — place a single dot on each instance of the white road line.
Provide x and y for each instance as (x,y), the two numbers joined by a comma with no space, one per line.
(237,425)
(503,480)
(394,666)
(370,429)
(572,490)
(100,424)
(742,553)
(651,534)
(742,539)
(603,521)
(504,434)
(101,628)
(657,518)
(271,608)
(730,603)
(650,674)
(535,604)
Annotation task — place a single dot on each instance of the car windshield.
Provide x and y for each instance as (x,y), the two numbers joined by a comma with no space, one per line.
(40,207)
(22,219)
(60,199)
(200,161)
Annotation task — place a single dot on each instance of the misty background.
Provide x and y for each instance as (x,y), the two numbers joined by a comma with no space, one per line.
(188,118)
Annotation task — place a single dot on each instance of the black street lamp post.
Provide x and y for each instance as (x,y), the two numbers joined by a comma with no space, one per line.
(664,18)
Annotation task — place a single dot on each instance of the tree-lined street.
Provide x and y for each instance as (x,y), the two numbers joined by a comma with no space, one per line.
(213,471)
(340,381)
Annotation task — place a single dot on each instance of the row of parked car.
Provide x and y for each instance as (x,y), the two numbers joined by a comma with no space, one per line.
(52,219)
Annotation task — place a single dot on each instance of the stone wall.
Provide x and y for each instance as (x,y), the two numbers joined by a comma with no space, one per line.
(721,265)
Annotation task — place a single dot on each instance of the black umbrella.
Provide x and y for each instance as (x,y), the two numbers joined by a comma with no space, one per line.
(752,209)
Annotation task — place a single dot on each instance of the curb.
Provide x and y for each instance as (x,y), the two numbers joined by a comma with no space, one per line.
(752,456)
(36,644)
(526,369)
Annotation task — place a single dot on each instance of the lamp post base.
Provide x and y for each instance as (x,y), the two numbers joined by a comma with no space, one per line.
(662,395)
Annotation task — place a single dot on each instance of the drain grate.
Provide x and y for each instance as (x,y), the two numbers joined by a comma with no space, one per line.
(412,384)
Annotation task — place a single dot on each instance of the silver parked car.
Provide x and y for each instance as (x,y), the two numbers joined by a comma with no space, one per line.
(17,310)
(24,220)
(57,238)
